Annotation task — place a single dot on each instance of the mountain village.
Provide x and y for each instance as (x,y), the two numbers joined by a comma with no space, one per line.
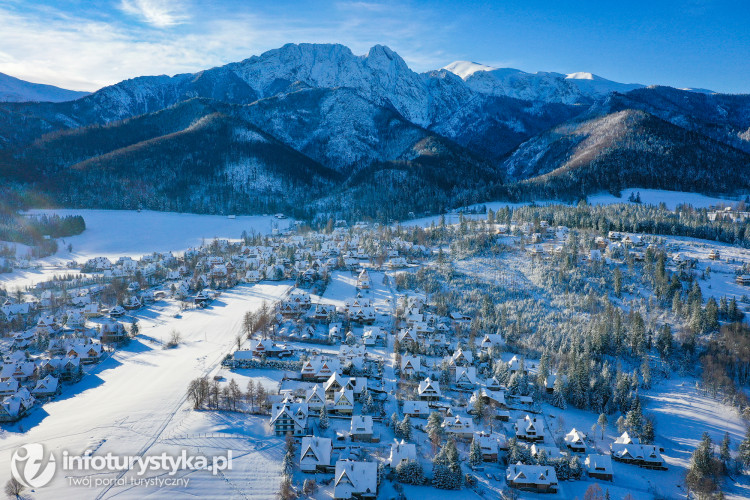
(383,381)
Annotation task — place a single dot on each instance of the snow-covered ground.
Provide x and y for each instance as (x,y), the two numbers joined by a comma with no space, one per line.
(656,196)
(135,403)
(116,233)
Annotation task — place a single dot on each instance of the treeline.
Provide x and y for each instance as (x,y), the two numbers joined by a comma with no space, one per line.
(35,230)
(633,218)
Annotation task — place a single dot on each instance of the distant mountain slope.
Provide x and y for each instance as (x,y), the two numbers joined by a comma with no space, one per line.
(626,148)
(336,127)
(206,156)
(315,127)
(194,156)
(543,86)
(723,117)
(15,90)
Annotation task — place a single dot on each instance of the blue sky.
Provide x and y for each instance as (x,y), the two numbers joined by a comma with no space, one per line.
(82,44)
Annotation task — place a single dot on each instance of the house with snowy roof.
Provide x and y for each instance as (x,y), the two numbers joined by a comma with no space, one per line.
(599,466)
(529,429)
(361,428)
(489,446)
(355,480)
(515,364)
(8,387)
(320,368)
(88,353)
(429,390)
(459,427)
(315,454)
(401,452)
(411,366)
(47,387)
(536,478)
(343,402)
(289,418)
(407,336)
(321,312)
(630,451)
(461,358)
(466,377)
(363,315)
(491,340)
(374,336)
(269,349)
(363,280)
(315,398)
(416,409)
(16,406)
(575,440)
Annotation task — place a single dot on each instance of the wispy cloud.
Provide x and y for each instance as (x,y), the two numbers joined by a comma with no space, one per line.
(159,13)
(79,51)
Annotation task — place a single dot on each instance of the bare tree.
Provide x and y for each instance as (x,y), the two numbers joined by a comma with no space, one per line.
(174,339)
(251,394)
(14,488)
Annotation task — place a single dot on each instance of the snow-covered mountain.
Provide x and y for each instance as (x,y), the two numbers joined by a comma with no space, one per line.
(542,86)
(334,124)
(595,86)
(15,90)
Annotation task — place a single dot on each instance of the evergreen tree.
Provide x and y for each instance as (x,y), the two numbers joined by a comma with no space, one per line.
(410,472)
(405,428)
(434,428)
(576,468)
(324,423)
(648,434)
(617,276)
(743,457)
(711,315)
(446,468)
(395,424)
(645,373)
(558,396)
(475,453)
(634,418)
(725,455)
(288,464)
(369,405)
(664,341)
(621,424)
(701,476)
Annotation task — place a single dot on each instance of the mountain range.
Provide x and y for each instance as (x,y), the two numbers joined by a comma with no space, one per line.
(15,90)
(314,128)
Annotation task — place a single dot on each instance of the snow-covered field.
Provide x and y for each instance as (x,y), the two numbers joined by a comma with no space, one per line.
(116,233)
(656,196)
(135,403)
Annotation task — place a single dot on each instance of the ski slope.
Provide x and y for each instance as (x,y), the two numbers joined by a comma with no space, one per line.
(134,403)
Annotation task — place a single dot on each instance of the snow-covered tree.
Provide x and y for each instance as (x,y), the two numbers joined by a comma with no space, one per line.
(324,423)
(475,453)
(410,472)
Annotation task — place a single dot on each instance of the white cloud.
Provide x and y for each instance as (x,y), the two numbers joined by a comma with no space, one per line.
(80,52)
(159,13)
